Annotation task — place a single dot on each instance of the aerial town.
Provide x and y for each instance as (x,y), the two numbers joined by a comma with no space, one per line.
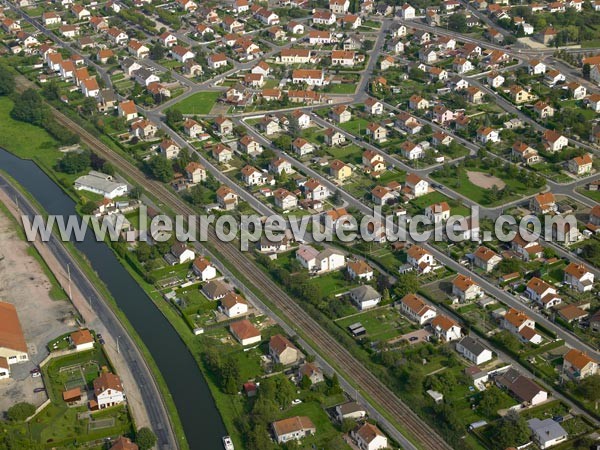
(126,115)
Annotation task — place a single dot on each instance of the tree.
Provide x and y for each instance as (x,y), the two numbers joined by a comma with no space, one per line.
(589,388)
(305,382)
(586,71)
(407,283)
(88,208)
(136,192)
(74,162)
(458,23)
(172,116)
(145,438)
(29,108)
(20,411)
(88,106)
(160,168)
(510,431)
(490,399)
(284,142)
(157,52)
(7,80)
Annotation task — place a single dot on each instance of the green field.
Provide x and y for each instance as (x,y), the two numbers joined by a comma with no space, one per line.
(199,103)
(25,140)
(381,324)
(463,185)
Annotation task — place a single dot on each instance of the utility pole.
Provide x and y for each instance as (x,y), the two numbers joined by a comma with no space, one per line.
(118,337)
(69,275)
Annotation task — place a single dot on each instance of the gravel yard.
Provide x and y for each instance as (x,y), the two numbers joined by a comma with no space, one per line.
(24,283)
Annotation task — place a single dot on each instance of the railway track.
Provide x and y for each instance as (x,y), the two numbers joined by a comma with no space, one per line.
(418,430)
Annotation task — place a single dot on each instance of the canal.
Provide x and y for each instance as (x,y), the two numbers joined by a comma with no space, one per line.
(199,415)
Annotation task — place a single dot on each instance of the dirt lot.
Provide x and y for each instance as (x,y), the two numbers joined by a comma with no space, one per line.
(485,181)
(24,283)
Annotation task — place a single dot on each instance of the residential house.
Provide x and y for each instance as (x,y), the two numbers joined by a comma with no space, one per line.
(284,199)
(465,288)
(222,153)
(108,391)
(245,332)
(365,297)
(169,149)
(577,365)
(82,340)
(302,147)
(320,262)
(445,329)
(542,293)
(339,170)
(360,270)
(543,203)
(473,350)
(438,212)
(547,432)
(227,198)
(282,351)
(368,436)
(524,389)
(203,269)
(579,277)
(416,309)
(553,141)
(293,429)
(486,259)
(581,165)
(234,305)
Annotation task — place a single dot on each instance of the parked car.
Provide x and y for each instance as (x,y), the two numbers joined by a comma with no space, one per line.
(34,370)
(36,390)
(36,374)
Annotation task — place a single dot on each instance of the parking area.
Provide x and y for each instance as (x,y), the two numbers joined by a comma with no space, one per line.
(416,337)
(24,283)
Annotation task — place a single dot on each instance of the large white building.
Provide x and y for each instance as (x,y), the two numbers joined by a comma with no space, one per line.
(100,183)
(13,347)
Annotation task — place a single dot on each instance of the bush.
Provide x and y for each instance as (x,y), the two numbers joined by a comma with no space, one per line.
(20,411)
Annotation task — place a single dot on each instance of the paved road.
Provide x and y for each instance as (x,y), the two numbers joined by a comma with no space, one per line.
(151,395)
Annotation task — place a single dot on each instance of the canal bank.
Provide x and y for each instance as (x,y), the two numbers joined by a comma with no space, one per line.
(201,420)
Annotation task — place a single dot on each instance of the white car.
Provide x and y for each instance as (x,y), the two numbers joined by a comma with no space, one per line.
(296,402)
(36,374)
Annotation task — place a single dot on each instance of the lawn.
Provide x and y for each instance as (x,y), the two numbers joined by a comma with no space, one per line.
(594,195)
(349,154)
(463,185)
(25,140)
(341,88)
(382,324)
(325,430)
(357,127)
(332,283)
(199,103)
(58,425)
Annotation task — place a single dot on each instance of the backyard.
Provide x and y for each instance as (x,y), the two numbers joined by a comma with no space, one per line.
(198,103)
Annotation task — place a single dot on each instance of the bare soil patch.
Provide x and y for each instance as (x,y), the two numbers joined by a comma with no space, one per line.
(484,180)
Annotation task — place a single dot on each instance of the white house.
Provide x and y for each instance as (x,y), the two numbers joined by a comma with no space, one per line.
(445,328)
(416,309)
(319,262)
(245,332)
(365,297)
(182,253)
(82,340)
(369,437)
(465,288)
(473,350)
(108,390)
(203,269)
(234,305)
(547,432)
(542,293)
(578,277)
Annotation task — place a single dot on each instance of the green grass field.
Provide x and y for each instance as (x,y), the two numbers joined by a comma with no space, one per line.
(25,140)
(381,324)
(199,103)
